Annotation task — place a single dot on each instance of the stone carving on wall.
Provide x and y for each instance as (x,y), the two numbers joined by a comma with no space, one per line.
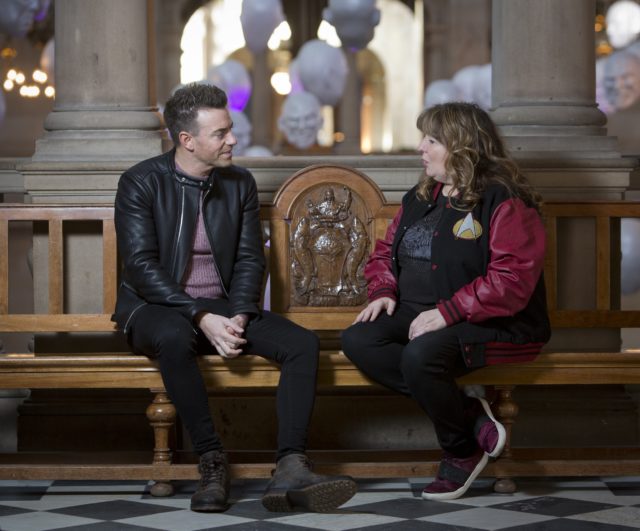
(329,244)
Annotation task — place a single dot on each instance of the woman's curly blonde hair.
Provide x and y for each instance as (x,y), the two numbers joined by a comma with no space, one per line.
(476,155)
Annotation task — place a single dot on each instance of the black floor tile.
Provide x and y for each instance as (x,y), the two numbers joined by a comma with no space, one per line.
(7,510)
(114,510)
(103,526)
(407,508)
(624,488)
(21,493)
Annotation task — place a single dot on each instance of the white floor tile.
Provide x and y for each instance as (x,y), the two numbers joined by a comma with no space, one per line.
(336,522)
(184,520)
(629,516)
(486,518)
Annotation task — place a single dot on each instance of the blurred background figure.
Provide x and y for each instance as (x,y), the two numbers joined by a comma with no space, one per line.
(354,21)
(232,77)
(17,16)
(622,79)
(301,120)
(441,91)
(623,23)
(322,70)
(242,132)
(257,151)
(482,87)
(259,18)
(464,80)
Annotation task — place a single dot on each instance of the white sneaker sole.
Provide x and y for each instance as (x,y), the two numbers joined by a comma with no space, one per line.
(502,433)
(457,493)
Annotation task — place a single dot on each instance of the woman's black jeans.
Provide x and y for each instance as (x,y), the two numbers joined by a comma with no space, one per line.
(424,369)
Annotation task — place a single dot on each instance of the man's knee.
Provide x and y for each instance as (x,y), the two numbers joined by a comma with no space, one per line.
(306,343)
(177,334)
(163,332)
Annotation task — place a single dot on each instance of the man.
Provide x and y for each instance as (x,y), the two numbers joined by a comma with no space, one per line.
(189,236)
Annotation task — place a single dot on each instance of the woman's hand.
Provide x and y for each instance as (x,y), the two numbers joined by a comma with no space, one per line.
(371,312)
(428,321)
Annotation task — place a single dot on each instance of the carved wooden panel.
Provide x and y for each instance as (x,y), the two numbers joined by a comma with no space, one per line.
(328,245)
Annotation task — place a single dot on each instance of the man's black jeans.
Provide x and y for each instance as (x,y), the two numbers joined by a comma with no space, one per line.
(166,336)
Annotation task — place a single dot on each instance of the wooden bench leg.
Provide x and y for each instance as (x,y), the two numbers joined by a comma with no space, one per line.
(506,410)
(162,416)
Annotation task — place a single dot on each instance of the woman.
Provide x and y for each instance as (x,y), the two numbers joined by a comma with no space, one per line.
(455,285)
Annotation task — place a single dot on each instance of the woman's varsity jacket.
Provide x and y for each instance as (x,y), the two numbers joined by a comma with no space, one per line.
(486,273)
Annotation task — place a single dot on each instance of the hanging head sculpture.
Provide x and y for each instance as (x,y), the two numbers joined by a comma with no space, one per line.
(17,16)
(441,91)
(232,77)
(622,79)
(259,18)
(354,21)
(300,119)
(322,70)
(242,131)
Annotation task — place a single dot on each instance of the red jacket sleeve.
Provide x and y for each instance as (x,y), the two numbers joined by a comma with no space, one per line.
(516,261)
(378,270)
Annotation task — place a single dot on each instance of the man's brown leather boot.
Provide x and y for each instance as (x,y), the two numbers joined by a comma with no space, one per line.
(295,487)
(213,490)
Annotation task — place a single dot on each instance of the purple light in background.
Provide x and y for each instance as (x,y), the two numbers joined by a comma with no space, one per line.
(42,12)
(238,98)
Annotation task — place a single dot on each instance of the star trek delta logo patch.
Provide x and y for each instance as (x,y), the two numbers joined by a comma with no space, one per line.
(467,228)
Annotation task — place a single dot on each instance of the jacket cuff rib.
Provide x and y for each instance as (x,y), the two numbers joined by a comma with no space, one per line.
(450,312)
(384,291)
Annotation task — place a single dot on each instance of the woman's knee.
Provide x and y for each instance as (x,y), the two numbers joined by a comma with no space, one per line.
(419,360)
(354,342)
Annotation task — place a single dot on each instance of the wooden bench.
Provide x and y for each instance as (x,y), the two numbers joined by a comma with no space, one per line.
(316,205)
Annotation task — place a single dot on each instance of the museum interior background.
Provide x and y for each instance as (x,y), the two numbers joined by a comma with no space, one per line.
(83,81)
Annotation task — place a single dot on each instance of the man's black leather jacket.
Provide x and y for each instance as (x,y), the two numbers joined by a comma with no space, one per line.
(155,216)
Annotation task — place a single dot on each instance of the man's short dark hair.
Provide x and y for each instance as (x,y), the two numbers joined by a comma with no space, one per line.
(181,110)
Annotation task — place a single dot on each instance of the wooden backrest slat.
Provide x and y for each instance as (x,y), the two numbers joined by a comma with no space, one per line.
(600,316)
(591,209)
(603,263)
(109,266)
(56,270)
(34,212)
(4,267)
(37,322)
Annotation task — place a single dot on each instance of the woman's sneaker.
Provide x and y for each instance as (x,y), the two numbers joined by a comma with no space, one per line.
(490,433)
(455,476)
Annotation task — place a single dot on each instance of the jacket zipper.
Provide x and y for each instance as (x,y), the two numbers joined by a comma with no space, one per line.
(126,325)
(180,223)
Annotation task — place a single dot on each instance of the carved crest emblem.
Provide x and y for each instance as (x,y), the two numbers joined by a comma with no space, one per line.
(329,246)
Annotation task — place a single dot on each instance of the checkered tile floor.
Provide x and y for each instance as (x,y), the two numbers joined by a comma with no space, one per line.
(602,504)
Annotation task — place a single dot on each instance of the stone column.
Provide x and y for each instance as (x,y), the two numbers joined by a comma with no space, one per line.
(350,108)
(261,101)
(543,91)
(169,26)
(104,117)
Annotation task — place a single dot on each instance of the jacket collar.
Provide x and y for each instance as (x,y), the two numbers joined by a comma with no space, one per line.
(183,178)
